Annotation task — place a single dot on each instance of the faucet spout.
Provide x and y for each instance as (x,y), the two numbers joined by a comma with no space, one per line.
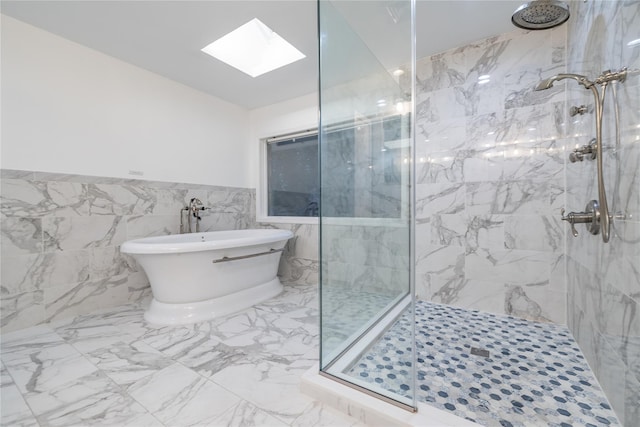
(193,210)
(195,205)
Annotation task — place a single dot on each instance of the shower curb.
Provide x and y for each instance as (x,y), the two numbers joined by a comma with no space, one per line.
(370,410)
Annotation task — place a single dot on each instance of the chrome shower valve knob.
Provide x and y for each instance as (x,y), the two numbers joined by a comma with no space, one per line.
(590,217)
(590,151)
(582,109)
(575,157)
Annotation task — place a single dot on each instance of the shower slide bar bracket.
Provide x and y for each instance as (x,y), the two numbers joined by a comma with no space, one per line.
(600,214)
(612,76)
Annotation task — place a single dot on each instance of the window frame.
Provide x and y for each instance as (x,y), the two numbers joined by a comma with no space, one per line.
(262,190)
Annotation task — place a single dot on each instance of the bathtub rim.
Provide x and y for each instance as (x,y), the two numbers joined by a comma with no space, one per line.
(159,245)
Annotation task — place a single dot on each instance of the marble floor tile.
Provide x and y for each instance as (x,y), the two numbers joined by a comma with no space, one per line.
(13,409)
(133,323)
(112,368)
(91,332)
(177,341)
(125,363)
(321,415)
(299,295)
(177,395)
(18,343)
(87,339)
(245,414)
(210,356)
(273,387)
(5,378)
(276,335)
(93,400)
(41,370)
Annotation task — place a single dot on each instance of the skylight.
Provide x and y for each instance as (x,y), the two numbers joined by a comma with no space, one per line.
(254,49)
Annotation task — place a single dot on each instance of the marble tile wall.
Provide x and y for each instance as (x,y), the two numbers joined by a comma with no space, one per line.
(369,258)
(299,263)
(363,168)
(490,183)
(61,236)
(490,176)
(604,279)
(373,259)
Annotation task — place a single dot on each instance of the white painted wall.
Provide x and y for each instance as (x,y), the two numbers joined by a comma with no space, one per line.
(70,109)
(294,115)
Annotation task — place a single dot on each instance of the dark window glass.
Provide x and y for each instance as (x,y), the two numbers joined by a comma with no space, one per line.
(293,177)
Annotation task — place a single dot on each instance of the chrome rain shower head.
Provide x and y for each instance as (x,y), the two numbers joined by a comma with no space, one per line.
(540,15)
(548,83)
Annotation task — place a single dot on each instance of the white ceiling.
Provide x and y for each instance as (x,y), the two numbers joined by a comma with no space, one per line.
(165,37)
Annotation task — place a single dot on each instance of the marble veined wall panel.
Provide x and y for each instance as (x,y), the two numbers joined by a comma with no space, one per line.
(300,260)
(368,258)
(490,176)
(604,279)
(61,236)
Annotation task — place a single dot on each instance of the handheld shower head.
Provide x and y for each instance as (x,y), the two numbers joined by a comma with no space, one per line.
(544,84)
(547,83)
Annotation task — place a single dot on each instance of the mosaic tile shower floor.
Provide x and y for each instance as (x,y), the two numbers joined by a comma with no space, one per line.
(535,374)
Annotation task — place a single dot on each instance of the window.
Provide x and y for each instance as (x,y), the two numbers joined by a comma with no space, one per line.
(365,172)
(292,176)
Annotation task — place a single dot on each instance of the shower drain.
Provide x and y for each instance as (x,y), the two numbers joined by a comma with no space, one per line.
(479,352)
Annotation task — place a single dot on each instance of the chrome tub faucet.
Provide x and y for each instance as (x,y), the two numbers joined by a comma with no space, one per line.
(193,215)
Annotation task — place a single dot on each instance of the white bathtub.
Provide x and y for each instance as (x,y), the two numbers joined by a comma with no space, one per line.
(199,276)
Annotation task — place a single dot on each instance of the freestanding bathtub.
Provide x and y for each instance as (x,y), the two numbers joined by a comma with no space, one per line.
(199,276)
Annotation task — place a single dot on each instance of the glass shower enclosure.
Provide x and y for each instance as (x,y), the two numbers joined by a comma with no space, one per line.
(366,247)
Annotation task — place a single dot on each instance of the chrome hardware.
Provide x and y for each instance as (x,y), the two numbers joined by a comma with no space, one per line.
(590,217)
(575,157)
(195,205)
(590,150)
(548,83)
(235,258)
(183,228)
(193,210)
(600,83)
(610,76)
(574,111)
(620,216)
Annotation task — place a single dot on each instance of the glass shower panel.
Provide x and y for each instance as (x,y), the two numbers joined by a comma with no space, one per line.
(365,177)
